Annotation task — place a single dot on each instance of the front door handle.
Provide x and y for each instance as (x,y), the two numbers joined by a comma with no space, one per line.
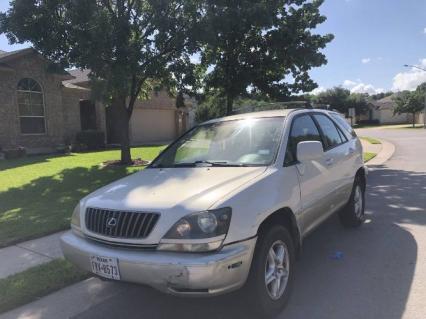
(329,161)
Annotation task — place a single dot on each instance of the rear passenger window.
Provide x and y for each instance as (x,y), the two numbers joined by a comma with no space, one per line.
(331,133)
(343,124)
(303,129)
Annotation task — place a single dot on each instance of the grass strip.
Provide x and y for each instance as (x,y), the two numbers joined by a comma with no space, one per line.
(371,140)
(369,156)
(31,284)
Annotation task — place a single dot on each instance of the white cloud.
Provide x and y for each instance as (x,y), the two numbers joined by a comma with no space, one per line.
(349,84)
(366,88)
(409,80)
(366,60)
(318,90)
(360,87)
(424,30)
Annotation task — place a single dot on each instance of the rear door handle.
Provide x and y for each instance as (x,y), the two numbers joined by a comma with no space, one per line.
(329,161)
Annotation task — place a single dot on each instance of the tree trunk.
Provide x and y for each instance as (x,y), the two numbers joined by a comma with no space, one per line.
(414,119)
(121,123)
(229,104)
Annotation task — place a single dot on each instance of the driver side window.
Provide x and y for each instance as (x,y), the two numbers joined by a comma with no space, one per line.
(302,129)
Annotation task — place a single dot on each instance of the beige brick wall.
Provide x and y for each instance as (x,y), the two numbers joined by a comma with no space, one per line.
(62,108)
(8,112)
(157,100)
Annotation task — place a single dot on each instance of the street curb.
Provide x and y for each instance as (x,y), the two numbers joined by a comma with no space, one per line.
(388,149)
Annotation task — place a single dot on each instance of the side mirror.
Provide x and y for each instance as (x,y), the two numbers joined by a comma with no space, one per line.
(309,150)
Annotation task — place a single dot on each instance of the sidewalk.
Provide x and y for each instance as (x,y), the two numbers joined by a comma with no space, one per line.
(384,151)
(371,148)
(20,257)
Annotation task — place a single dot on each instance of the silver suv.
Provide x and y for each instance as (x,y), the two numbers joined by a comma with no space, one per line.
(227,204)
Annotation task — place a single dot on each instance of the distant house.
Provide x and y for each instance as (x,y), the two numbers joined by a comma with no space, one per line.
(382,111)
(42,106)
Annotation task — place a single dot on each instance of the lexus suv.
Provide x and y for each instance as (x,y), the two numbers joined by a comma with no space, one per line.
(224,206)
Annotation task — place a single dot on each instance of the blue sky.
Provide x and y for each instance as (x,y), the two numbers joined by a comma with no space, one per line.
(373,40)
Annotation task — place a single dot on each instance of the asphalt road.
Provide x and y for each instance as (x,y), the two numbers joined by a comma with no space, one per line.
(382,273)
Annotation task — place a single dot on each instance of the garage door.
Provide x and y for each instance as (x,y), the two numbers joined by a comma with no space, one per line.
(152,126)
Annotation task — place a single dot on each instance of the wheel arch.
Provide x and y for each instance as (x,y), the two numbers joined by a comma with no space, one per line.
(283,216)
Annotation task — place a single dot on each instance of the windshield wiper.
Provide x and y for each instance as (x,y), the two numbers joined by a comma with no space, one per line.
(211,163)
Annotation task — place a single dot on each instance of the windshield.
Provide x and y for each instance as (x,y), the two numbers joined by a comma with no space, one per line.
(246,142)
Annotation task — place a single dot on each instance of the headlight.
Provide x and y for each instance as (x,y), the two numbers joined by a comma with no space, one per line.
(203,231)
(75,218)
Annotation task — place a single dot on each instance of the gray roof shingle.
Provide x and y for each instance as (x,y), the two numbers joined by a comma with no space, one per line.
(81,76)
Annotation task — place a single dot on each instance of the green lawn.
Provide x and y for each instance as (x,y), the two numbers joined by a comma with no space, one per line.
(370,140)
(27,286)
(38,193)
(417,126)
(369,156)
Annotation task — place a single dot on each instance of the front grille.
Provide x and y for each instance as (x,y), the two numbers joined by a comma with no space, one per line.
(120,224)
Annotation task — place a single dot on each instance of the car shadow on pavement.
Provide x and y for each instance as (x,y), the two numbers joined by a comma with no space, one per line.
(342,273)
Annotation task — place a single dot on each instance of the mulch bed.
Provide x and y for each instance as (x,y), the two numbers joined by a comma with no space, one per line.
(138,162)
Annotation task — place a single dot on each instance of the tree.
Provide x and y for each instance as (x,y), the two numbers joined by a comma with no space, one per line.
(336,98)
(211,106)
(127,44)
(357,101)
(410,102)
(258,45)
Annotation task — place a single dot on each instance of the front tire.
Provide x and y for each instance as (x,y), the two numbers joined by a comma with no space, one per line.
(352,215)
(271,274)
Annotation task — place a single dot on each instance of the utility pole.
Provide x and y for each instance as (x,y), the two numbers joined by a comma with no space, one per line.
(424,110)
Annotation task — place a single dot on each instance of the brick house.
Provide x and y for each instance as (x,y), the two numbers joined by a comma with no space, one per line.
(42,107)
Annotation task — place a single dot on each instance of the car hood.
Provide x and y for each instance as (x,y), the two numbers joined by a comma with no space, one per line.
(172,189)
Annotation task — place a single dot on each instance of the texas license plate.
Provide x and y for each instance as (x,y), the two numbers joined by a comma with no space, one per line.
(105,267)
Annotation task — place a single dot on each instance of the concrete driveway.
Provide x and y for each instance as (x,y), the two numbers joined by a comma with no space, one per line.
(382,272)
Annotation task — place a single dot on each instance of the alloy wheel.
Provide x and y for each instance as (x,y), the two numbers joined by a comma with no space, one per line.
(277,269)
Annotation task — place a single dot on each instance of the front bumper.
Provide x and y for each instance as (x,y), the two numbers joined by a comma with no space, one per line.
(172,272)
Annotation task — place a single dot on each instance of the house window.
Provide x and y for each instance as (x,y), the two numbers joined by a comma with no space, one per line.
(31,107)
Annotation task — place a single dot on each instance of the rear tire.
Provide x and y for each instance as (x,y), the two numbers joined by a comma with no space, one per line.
(271,274)
(352,215)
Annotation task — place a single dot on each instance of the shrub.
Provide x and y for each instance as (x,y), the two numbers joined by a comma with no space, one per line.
(368,122)
(89,140)
(13,153)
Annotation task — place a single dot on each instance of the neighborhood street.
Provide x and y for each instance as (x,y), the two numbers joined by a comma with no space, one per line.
(377,271)
(381,272)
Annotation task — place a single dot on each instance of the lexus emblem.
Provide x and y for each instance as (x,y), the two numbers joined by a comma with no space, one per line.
(111,222)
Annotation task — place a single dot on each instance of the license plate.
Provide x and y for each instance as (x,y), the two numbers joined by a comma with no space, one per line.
(105,266)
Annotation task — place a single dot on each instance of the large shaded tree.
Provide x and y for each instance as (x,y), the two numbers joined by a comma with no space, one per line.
(264,46)
(127,44)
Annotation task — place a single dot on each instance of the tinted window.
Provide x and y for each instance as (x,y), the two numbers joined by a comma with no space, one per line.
(343,124)
(331,134)
(303,129)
